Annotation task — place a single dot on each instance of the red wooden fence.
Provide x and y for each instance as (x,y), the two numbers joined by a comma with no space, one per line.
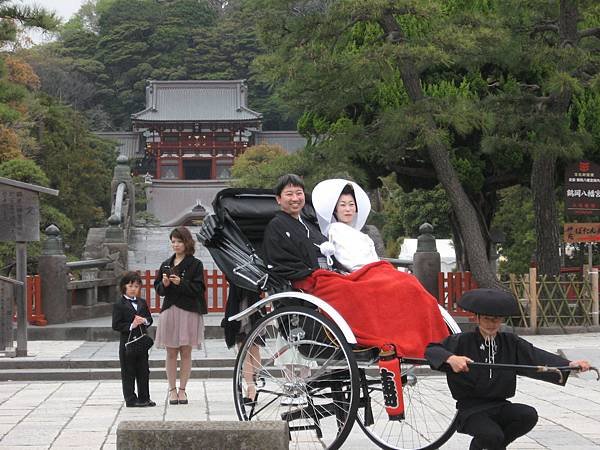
(216,284)
(451,286)
(217,289)
(35,311)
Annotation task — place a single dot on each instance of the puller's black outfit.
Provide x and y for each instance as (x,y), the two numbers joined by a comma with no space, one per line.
(481,394)
(133,369)
(290,246)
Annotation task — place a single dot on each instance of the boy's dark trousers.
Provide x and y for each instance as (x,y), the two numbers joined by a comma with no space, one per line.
(133,369)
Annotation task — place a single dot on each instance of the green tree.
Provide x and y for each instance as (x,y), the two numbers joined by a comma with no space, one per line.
(515,218)
(133,41)
(27,171)
(460,93)
(17,81)
(561,44)
(403,213)
(398,87)
(24,170)
(12,14)
(110,47)
(261,165)
(79,165)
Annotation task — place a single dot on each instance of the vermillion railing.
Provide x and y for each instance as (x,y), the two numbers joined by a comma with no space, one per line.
(35,310)
(216,284)
(567,301)
(451,286)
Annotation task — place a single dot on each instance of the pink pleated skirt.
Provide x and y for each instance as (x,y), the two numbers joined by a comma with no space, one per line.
(178,327)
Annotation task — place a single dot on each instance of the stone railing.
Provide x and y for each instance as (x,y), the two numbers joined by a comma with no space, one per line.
(68,299)
(91,289)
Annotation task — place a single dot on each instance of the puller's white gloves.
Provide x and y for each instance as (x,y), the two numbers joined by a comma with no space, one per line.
(327,249)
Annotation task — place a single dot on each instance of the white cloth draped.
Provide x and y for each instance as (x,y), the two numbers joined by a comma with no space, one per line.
(353,249)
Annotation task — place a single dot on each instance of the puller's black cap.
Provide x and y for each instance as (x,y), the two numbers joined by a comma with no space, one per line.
(489,302)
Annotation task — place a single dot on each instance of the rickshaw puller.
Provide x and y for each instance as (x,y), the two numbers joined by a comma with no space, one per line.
(481,394)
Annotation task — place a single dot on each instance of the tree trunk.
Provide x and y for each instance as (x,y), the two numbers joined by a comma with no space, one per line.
(567,23)
(466,216)
(546,216)
(462,263)
(543,171)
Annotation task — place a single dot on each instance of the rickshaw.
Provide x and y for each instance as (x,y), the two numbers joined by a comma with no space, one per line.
(301,357)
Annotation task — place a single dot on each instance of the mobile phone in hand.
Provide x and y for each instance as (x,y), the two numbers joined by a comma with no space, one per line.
(167,270)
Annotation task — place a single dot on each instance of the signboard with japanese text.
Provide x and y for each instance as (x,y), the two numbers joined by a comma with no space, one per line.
(582,232)
(582,189)
(19,215)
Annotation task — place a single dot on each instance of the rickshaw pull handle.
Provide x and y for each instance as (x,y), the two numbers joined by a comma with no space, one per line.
(557,370)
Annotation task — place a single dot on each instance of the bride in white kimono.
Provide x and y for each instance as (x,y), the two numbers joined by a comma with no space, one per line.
(342,208)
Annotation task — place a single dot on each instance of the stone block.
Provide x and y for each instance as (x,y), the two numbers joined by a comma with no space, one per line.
(426,266)
(56,301)
(231,435)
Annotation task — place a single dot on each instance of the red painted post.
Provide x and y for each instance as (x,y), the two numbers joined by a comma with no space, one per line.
(441,289)
(35,312)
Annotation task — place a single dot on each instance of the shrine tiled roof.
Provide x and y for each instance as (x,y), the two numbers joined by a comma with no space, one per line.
(129,143)
(196,101)
(291,141)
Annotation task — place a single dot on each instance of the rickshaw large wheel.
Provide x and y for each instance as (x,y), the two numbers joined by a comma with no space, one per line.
(306,375)
(430,411)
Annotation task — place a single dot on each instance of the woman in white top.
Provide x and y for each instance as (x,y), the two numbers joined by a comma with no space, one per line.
(342,208)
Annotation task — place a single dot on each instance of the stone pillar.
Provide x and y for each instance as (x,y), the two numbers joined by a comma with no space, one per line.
(426,260)
(53,273)
(7,296)
(116,246)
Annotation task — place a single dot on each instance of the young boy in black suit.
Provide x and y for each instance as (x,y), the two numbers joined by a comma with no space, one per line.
(131,314)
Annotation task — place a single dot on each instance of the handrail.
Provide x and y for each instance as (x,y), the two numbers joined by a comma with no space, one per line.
(88,263)
(11,281)
(399,262)
(118,205)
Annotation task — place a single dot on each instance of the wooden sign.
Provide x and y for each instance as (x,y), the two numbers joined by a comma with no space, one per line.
(20,210)
(19,215)
(582,189)
(582,232)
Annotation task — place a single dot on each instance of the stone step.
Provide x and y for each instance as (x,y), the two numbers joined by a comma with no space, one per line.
(103,374)
(98,333)
(149,247)
(76,364)
(70,332)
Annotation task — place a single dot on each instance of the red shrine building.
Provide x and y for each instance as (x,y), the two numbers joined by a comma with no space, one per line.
(186,139)
(194,129)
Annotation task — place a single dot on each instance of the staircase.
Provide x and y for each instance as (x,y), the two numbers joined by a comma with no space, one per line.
(149,246)
(89,350)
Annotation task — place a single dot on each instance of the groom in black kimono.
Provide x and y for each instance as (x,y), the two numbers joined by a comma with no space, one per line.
(291,241)
(481,393)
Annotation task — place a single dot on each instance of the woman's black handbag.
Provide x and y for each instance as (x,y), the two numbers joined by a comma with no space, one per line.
(136,346)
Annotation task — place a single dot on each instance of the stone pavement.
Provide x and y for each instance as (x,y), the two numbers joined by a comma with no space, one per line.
(85,414)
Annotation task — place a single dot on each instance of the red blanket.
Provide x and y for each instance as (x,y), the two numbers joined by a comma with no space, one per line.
(382,305)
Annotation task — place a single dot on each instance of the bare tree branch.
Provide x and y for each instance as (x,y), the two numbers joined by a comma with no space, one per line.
(590,32)
(541,28)
(416,172)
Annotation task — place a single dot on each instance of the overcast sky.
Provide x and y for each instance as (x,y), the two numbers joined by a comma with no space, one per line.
(64,8)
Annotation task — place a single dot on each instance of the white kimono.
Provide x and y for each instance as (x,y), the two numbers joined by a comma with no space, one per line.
(353,249)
